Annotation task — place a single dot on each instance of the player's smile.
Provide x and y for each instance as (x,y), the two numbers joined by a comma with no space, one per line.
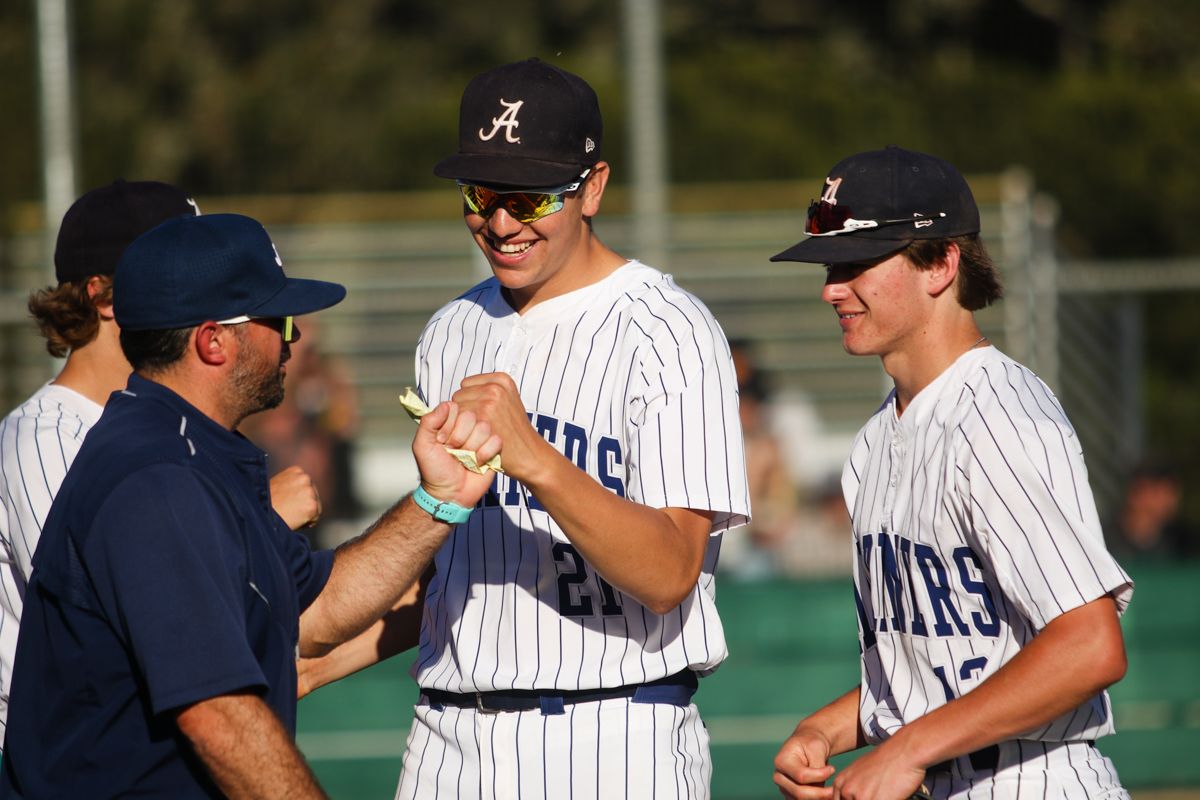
(876,303)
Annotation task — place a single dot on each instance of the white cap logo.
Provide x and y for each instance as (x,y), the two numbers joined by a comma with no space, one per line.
(589,146)
(193,204)
(278,260)
(831,187)
(507,120)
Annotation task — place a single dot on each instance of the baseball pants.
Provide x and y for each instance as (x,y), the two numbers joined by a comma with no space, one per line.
(1034,771)
(602,749)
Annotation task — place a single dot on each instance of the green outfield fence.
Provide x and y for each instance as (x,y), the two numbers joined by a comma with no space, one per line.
(793,647)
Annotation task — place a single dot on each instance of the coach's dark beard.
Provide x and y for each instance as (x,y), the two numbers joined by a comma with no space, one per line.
(256,382)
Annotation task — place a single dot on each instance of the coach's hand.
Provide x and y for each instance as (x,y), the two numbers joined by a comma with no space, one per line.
(442,477)
(294,497)
(800,767)
(494,399)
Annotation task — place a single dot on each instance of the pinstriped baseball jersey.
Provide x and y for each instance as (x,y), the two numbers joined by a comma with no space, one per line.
(632,380)
(974,527)
(38,442)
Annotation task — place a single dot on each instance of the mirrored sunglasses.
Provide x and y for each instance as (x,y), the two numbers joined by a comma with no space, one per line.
(284,325)
(827,219)
(525,206)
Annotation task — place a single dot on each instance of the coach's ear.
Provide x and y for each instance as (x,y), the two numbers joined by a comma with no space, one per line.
(212,343)
(940,276)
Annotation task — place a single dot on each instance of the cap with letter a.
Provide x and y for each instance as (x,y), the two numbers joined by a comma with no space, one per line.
(525,124)
(875,203)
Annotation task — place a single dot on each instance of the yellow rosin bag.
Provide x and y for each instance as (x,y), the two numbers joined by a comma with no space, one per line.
(416,409)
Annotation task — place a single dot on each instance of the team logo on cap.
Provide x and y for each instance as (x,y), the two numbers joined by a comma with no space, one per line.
(507,120)
(278,260)
(194,205)
(831,188)
(923,223)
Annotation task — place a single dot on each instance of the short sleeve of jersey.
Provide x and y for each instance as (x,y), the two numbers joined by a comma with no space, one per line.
(684,432)
(311,569)
(172,585)
(38,449)
(1022,485)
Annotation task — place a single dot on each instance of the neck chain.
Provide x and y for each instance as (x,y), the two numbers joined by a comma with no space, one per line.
(981,341)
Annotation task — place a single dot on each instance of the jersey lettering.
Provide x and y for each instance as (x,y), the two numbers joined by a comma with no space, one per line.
(898,605)
(977,587)
(607,457)
(939,592)
(608,453)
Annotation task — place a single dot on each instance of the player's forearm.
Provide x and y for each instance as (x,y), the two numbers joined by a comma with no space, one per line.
(652,555)
(836,723)
(398,630)
(1073,659)
(246,750)
(369,576)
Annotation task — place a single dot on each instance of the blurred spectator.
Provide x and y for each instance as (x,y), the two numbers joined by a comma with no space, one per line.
(314,428)
(821,546)
(1148,526)
(750,552)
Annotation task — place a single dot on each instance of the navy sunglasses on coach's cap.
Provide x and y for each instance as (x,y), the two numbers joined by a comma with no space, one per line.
(191,270)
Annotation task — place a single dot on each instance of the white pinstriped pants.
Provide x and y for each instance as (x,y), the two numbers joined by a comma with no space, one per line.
(602,749)
(1035,771)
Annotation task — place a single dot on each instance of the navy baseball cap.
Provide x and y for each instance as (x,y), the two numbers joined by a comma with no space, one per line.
(525,124)
(218,266)
(99,225)
(888,188)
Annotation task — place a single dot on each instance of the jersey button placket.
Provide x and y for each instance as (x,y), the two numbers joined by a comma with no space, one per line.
(515,350)
(897,454)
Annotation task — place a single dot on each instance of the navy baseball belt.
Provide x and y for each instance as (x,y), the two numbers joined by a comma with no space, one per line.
(674,689)
(984,758)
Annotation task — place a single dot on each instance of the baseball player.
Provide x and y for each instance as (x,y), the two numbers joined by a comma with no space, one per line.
(571,616)
(40,439)
(987,604)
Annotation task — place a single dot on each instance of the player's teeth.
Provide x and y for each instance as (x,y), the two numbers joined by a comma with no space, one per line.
(515,248)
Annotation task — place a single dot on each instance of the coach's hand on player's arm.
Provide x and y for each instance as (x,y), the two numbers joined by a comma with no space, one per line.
(396,631)
(371,573)
(802,765)
(294,497)
(246,749)
(653,555)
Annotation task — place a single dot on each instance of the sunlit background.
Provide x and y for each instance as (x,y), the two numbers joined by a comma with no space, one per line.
(1077,123)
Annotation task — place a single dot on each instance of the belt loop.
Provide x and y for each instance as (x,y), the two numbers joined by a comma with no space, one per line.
(552,706)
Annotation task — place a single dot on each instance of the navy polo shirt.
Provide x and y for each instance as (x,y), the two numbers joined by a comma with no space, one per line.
(162,578)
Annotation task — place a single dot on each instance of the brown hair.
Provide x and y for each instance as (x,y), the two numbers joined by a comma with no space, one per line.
(978,282)
(66,315)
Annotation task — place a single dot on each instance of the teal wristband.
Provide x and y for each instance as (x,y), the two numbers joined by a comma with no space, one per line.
(442,512)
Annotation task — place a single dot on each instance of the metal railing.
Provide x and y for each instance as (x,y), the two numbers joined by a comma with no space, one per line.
(1075,323)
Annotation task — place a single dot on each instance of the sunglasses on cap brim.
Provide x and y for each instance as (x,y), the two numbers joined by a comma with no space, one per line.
(524,205)
(285,325)
(827,219)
